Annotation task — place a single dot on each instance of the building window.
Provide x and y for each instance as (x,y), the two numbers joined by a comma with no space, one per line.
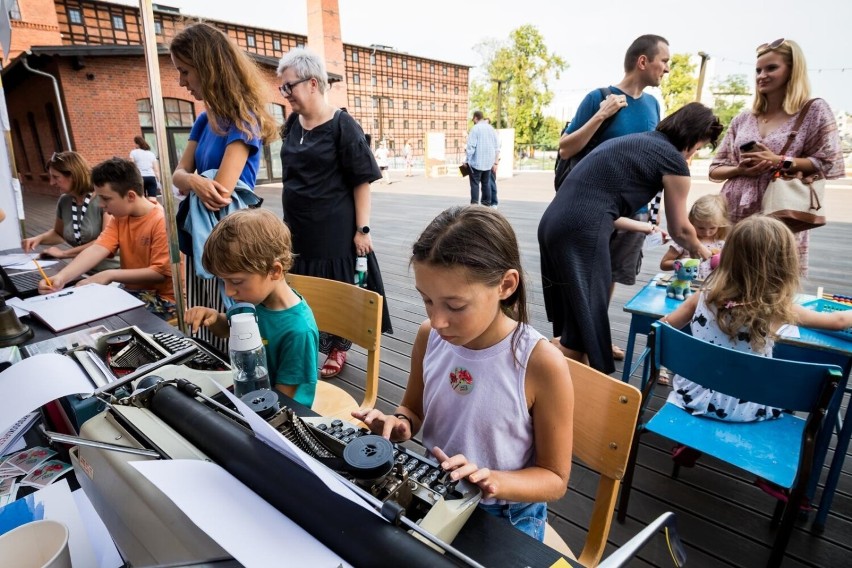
(372,58)
(276,44)
(445,69)
(419,125)
(432,87)
(432,68)
(356,79)
(404,105)
(419,105)
(14,10)
(431,125)
(444,88)
(118,22)
(178,112)
(158,27)
(390,82)
(432,106)
(390,103)
(456,72)
(420,144)
(390,123)
(250,41)
(419,86)
(357,102)
(75,16)
(354,56)
(373,80)
(456,90)
(405,125)
(375,123)
(375,102)
(444,108)
(404,64)
(300,44)
(390,61)
(455,108)
(405,83)
(419,66)
(445,125)
(456,124)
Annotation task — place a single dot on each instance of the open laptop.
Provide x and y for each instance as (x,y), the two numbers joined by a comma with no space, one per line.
(24,283)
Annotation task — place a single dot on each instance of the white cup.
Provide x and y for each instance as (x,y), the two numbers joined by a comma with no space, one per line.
(40,544)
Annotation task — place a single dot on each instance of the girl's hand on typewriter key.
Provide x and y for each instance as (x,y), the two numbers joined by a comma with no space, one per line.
(460,468)
(389,427)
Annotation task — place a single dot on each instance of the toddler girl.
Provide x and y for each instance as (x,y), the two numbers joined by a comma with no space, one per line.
(709,216)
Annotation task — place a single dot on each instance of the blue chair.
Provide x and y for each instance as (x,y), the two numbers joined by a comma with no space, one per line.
(766,449)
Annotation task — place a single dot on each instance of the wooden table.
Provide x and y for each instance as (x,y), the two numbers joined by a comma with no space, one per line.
(651,303)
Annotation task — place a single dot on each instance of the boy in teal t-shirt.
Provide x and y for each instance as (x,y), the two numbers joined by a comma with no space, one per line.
(251,251)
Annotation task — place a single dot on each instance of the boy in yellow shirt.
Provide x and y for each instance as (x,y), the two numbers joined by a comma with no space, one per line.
(138,228)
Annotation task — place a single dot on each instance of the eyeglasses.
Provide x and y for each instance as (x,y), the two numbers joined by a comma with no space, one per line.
(287,88)
(764,47)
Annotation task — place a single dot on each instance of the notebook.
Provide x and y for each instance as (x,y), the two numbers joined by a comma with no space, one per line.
(75,306)
(24,283)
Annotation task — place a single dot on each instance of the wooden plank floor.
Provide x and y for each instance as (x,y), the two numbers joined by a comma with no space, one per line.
(723,519)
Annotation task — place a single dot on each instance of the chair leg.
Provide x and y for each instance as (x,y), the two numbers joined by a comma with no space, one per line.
(675,470)
(780,506)
(788,520)
(627,480)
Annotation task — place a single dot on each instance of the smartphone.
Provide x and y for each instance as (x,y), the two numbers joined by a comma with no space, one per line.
(748,146)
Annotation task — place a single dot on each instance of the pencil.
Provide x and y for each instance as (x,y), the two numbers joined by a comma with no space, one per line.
(43,275)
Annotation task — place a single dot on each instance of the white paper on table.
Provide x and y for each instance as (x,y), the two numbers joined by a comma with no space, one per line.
(104,548)
(234,516)
(35,381)
(56,503)
(789,330)
(277,441)
(18,305)
(30,265)
(9,260)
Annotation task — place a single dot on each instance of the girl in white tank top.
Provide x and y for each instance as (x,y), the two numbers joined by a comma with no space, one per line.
(493,398)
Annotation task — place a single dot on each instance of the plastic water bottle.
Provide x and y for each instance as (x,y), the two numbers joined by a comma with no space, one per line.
(361,271)
(245,347)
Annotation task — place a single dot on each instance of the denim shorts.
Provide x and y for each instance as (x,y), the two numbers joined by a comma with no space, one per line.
(526,517)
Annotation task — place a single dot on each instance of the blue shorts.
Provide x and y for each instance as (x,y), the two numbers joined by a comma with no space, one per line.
(526,517)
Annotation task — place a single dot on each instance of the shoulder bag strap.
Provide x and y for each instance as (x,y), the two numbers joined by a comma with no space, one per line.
(799,120)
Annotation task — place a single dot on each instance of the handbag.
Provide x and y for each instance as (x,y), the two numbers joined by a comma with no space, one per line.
(796,201)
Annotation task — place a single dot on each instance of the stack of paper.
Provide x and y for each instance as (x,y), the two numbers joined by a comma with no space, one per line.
(76,306)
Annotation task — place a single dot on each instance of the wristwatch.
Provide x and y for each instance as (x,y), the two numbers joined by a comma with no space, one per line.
(364,230)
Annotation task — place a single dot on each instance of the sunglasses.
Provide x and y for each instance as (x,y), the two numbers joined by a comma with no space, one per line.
(764,47)
(57,157)
(287,88)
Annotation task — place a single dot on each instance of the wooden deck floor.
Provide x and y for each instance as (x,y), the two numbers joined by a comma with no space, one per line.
(723,519)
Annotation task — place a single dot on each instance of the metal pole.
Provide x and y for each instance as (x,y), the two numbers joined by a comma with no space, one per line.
(499,103)
(56,94)
(701,71)
(158,112)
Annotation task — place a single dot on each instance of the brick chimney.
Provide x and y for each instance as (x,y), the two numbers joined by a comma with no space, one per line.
(324,38)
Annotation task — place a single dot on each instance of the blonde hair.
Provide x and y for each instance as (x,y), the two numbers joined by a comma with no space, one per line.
(711,209)
(232,86)
(249,240)
(757,279)
(798,86)
(72,165)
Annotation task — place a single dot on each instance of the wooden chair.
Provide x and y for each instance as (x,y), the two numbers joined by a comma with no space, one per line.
(605,413)
(780,451)
(355,314)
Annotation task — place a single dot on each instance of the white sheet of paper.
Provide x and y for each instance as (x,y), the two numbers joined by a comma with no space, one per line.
(789,330)
(18,305)
(275,440)
(235,516)
(75,306)
(35,381)
(104,548)
(9,260)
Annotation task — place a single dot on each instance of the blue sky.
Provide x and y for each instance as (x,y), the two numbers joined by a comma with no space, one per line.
(591,37)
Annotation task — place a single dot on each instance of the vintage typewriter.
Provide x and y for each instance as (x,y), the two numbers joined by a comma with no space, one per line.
(169,417)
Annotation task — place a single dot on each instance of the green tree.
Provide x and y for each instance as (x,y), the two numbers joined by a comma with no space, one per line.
(521,67)
(731,94)
(680,84)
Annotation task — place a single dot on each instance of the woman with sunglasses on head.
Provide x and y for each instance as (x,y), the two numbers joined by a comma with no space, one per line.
(327,171)
(750,153)
(79,216)
(224,148)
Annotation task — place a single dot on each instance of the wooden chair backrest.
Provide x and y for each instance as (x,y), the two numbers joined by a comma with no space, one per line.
(350,312)
(605,414)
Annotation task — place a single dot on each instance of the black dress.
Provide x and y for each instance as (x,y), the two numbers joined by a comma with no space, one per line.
(321,167)
(616,179)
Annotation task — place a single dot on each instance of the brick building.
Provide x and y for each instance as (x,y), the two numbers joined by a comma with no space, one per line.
(76,78)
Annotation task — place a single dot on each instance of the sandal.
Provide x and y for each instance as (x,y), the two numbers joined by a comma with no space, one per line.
(664,378)
(333,364)
(617,353)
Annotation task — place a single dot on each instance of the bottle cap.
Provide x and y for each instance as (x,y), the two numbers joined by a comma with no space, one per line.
(245,334)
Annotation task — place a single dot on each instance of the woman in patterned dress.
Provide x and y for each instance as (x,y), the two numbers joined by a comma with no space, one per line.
(782,90)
